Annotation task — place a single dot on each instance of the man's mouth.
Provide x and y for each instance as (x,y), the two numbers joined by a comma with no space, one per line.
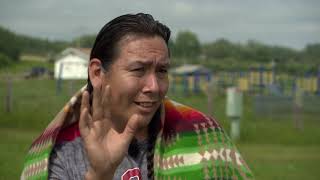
(146,104)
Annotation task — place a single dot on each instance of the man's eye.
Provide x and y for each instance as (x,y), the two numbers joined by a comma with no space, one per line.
(138,69)
(163,71)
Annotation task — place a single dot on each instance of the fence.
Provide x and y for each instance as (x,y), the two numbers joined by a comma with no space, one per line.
(275,106)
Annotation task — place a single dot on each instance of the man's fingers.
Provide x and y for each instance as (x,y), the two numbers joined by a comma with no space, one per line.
(85,101)
(96,103)
(84,123)
(105,101)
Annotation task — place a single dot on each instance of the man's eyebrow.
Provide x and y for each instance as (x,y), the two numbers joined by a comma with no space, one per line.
(142,62)
(165,64)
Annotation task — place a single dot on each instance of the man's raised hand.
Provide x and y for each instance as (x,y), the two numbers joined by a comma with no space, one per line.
(105,147)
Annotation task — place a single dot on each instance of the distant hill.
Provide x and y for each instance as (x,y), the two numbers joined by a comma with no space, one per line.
(12,45)
(221,54)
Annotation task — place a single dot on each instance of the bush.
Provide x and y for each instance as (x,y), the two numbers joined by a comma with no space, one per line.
(4,60)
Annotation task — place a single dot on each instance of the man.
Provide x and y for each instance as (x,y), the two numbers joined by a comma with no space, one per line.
(123,127)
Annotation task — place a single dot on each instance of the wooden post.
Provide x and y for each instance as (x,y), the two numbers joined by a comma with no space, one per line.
(209,92)
(318,82)
(185,84)
(297,109)
(261,80)
(71,89)
(59,80)
(8,99)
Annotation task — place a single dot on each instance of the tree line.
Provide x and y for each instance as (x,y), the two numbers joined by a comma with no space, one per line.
(185,47)
(13,45)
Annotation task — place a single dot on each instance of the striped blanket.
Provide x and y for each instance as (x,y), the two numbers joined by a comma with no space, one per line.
(190,145)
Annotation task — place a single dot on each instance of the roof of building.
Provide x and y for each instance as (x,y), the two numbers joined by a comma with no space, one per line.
(190,69)
(83,53)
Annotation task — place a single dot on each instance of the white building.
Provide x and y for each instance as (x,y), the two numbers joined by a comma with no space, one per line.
(72,63)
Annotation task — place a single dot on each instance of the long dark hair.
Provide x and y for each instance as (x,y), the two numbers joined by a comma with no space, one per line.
(153,130)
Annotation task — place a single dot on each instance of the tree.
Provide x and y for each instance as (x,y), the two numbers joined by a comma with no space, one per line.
(85,41)
(222,48)
(187,45)
(4,60)
(9,44)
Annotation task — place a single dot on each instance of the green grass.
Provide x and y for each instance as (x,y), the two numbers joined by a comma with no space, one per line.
(278,162)
(273,148)
(14,145)
(267,161)
(34,102)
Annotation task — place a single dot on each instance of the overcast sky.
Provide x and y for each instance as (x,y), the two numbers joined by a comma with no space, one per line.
(292,23)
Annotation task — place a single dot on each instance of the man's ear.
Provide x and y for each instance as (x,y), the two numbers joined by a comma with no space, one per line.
(95,72)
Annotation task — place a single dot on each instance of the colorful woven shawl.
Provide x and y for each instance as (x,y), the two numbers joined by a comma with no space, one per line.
(190,145)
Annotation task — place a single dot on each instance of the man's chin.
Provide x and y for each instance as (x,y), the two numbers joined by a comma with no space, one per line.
(144,122)
(142,129)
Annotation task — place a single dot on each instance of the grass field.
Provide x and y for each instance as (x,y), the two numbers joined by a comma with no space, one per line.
(273,148)
(267,161)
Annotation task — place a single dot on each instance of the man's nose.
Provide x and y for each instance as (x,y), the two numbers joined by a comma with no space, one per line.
(151,84)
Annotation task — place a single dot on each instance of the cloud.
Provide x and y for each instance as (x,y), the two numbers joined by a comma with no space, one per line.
(183,9)
(292,23)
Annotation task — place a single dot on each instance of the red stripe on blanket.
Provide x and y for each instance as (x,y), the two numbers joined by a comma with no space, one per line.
(183,118)
(69,133)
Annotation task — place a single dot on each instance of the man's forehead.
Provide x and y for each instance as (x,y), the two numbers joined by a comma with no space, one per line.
(141,44)
(144,50)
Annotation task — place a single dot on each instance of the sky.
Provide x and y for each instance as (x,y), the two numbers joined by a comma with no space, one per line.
(290,23)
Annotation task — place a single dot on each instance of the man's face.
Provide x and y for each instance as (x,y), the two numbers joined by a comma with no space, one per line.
(138,79)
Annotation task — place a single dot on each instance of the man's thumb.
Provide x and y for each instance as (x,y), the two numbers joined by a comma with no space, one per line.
(131,128)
